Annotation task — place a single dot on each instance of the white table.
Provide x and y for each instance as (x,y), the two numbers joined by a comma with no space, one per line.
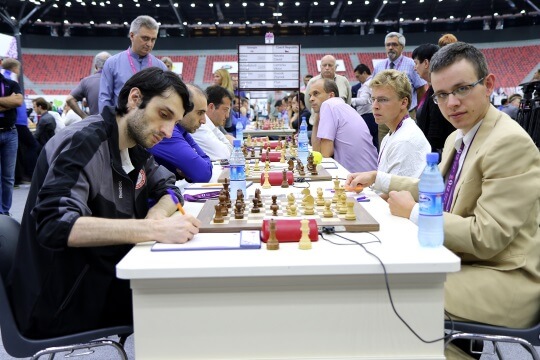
(269,132)
(326,303)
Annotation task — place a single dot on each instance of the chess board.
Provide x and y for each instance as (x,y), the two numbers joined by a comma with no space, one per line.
(253,221)
(255,176)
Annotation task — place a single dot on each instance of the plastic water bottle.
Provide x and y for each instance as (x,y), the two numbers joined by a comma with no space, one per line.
(431,193)
(237,170)
(303,142)
(239,132)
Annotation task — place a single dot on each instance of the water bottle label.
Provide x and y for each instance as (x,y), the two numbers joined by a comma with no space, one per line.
(430,204)
(237,172)
(303,146)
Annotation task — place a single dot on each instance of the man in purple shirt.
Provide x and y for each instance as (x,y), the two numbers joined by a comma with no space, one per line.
(120,67)
(338,130)
(181,154)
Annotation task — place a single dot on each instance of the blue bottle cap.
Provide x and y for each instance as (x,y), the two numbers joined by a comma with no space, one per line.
(432,157)
(238,143)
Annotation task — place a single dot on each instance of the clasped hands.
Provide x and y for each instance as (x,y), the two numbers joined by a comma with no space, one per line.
(401,203)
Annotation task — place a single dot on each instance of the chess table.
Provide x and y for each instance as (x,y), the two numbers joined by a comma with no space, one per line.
(252,221)
(329,302)
(255,176)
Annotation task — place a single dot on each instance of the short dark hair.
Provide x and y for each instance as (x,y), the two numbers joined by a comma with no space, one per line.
(362,68)
(302,98)
(216,94)
(424,51)
(278,103)
(452,53)
(42,103)
(153,82)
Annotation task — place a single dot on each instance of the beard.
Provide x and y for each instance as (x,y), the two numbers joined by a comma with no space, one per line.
(392,55)
(137,129)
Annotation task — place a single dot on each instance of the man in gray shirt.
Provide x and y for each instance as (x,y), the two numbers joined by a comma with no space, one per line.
(88,89)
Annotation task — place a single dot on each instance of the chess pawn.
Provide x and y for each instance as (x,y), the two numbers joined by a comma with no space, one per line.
(293,210)
(327,211)
(350,215)
(266,184)
(238,210)
(248,142)
(257,167)
(284,183)
(282,159)
(272,243)
(255,209)
(248,169)
(320,198)
(267,164)
(218,219)
(342,206)
(305,241)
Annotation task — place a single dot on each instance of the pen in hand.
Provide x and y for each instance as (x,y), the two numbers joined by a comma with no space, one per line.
(175,200)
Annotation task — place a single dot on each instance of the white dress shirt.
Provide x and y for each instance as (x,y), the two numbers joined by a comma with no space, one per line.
(213,141)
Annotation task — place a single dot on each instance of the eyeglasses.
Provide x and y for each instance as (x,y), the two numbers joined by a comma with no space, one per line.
(461,92)
(381,100)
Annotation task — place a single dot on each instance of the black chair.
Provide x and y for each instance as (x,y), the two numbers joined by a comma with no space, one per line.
(528,338)
(20,346)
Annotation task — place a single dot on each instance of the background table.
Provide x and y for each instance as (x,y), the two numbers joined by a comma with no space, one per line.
(326,303)
(270,132)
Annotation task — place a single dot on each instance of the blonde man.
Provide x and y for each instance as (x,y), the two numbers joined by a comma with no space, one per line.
(403,150)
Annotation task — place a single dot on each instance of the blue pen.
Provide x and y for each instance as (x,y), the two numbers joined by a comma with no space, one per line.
(362,198)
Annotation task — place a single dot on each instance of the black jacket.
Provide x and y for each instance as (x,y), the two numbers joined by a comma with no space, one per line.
(58,289)
(432,122)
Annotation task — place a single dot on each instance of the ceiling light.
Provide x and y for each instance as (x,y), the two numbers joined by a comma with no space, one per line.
(227,4)
(244,4)
(315,3)
(342,21)
(66,22)
(468,16)
(349,2)
(522,12)
(126,23)
(366,2)
(263,22)
(281,3)
(217,23)
(175,4)
(297,3)
(192,4)
(56,5)
(401,19)
(157,5)
(199,23)
(261,4)
(108,22)
(451,16)
(376,20)
(325,21)
(211,4)
(296,21)
(311,21)
(247,22)
(279,22)
(138,5)
(277,14)
(230,22)
(434,18)
(91,22)
(120,5)
(496,14)
(332,3)
(357,20)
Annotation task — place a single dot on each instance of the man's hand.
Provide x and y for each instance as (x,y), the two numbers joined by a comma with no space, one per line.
(401,203)
(243,111)
(177,229)
(365,179)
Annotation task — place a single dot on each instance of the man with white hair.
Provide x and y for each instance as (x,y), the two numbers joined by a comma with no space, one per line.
(88,89)
(120,67)
(394,44)
(328,71)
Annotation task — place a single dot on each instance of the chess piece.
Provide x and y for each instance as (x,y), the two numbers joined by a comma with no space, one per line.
(223,202)
(248,169)
(244,151)
(248,143)
(255,209)
(320,198)
(305,241)
(284,183)
(291,199)
(238,211)
(252,152)
(312,168)
(267,164)
(306,193)
(257,167)
(301,171)
(335,198)
(218,219)
(308,205)
(350,215)
(293,210)
(282,159)
(272,243)
(291,164)
(327,211)
(274,207)
(342,206)
(226,184)
(266,184)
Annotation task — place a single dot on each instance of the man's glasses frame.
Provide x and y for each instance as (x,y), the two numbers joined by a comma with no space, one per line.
(461,92)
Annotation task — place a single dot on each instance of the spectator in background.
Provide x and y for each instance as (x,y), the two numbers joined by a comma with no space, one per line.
(10,98)
(362,102)
(307,77)
(504,102)
(394,44)
(168,62)
(328,71)
(46,124)
(512,107)
(223,78)
(88,89)
(119,68)
(300,111)
(180,153)
(428,115)
(69,116)
(236,90)
(358,71)
(238,115)
(536,76)
(446,39)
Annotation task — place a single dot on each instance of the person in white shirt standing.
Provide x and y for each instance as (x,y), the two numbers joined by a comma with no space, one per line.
(213,142)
